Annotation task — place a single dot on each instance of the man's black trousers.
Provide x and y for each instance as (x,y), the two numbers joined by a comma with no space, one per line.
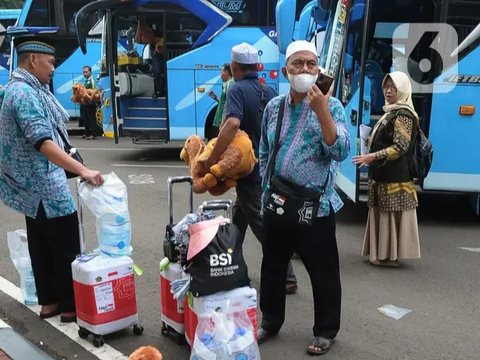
(317,247)
(53,245)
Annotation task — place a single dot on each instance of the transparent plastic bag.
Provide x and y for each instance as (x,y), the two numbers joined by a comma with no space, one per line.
(225,334)
(20,256)
(109,204)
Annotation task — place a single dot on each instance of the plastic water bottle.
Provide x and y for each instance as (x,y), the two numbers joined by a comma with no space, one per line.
(27,282)
(114,234)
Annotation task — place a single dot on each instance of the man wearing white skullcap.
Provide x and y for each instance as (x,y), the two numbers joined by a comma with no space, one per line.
(299,198)
(246,100)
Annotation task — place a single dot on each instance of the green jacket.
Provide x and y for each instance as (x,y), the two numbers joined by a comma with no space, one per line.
(220,114)
(90,83)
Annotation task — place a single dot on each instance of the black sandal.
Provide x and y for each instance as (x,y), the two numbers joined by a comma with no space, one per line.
(68,319)
(50,314)
(322,343)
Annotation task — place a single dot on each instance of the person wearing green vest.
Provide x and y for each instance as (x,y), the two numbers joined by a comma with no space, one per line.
(88,111)
(220,114)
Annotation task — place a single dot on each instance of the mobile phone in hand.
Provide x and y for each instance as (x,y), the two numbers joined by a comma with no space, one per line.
(324,82)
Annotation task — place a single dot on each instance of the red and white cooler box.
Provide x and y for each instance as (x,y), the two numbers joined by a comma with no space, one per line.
(172,310)
(241,297)
(105,296)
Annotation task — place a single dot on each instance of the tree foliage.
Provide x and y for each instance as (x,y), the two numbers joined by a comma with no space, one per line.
(11,4)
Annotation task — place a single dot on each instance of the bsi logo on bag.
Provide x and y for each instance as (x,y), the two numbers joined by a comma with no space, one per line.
(220,260)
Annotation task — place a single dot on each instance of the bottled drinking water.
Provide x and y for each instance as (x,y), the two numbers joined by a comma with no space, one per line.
(18,247)
(114,234)
(109,204)
(27,282)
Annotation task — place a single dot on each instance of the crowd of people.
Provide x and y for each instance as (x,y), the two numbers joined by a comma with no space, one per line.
(289,200)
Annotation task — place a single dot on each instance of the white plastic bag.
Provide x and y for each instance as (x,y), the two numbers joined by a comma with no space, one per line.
(109,203)
(18,247)
(225,335)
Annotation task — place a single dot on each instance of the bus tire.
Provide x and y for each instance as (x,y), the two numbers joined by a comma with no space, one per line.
(209,123)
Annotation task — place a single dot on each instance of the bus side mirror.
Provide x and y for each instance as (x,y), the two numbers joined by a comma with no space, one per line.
(324,4)
(285,11)
(2,36)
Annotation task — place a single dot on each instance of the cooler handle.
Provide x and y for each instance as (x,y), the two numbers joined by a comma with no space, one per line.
(81,226)
(178,180)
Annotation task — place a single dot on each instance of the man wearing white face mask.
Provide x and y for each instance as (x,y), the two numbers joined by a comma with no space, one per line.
(299,200)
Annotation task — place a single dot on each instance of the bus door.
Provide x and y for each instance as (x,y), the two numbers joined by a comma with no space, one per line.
(455,119)
(343,57)
(162,123)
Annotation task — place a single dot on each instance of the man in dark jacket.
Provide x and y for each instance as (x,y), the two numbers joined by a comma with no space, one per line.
(246,101)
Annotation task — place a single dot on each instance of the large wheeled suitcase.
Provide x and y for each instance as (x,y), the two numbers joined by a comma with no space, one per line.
(104,289)
(173,320)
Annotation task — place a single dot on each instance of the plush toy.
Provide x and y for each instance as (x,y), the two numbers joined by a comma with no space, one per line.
(77,95)
(236,162)
(146,353)
(83,96)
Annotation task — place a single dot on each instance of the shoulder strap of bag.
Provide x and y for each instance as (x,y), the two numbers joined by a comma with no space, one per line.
(263,101)
(281,111)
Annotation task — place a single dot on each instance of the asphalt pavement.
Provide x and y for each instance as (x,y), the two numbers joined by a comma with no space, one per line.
(441,289)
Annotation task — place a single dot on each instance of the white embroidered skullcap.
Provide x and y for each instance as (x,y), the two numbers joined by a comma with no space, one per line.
(300,45)
(245,54)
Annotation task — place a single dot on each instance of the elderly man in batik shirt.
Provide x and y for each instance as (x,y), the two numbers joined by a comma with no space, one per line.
(314,137)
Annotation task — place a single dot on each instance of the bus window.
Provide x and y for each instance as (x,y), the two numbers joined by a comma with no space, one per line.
(183,30)
(245,12)
(59,13)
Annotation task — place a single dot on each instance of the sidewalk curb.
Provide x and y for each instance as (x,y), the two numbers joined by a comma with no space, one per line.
(19,348)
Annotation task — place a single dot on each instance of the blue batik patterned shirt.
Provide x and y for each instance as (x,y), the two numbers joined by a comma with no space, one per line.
(303,157)
(26,176)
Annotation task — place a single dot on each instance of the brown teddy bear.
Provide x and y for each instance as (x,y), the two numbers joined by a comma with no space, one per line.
(78,90)
(236,162)
(146,353)
(83,96)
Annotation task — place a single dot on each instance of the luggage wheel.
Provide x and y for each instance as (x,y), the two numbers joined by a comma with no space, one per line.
(98,341)
(165,330)
(83,333)
(138,329)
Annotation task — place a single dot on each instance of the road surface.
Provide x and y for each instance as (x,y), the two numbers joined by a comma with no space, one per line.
(441,289)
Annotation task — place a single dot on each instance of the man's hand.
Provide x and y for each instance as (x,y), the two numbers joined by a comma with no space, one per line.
(213,95)
(203,166)
(92,176)
(317,101)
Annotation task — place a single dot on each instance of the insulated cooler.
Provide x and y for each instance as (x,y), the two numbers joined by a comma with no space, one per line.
(172,310)
(104,289)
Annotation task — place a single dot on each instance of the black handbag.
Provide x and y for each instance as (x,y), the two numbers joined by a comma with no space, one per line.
(68,149)
(286,202)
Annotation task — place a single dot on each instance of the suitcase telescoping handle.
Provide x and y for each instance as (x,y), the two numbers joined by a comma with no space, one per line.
(81,227)
(178,180)
(220,201)
(215,207)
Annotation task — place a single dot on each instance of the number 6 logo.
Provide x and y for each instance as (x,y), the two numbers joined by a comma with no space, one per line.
(440,38)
